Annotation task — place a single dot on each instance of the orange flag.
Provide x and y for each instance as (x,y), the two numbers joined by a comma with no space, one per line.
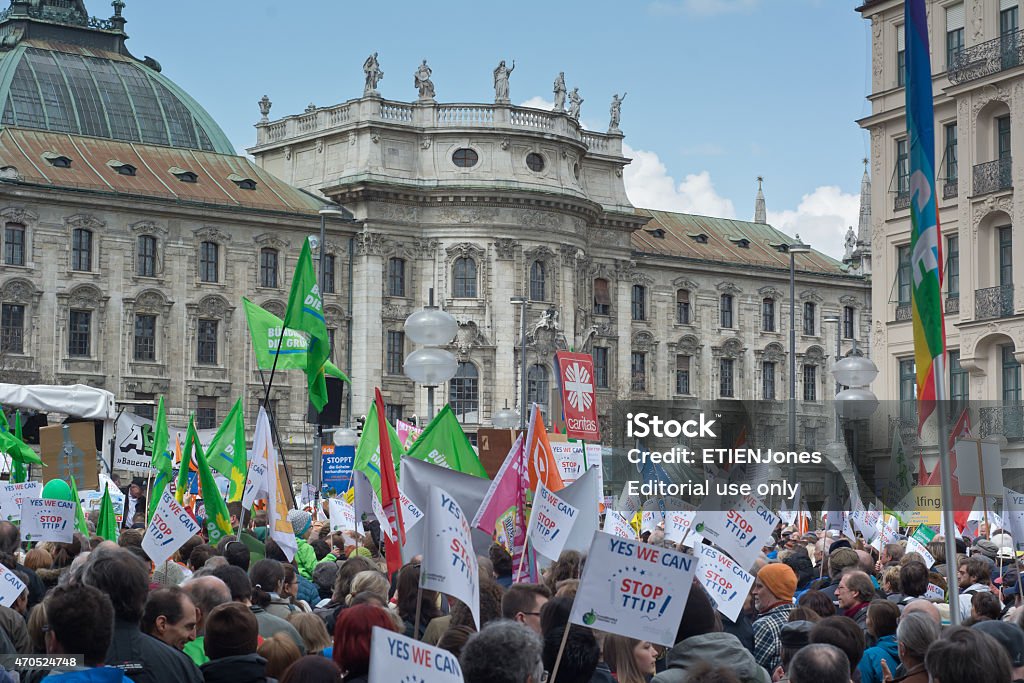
(543,467)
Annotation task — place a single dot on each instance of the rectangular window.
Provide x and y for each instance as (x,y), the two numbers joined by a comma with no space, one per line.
(954,32)
(958,391)
(809,322)
(638,371)
(902,167)
(768,315)
(849,325)
(683,307)
(1003,137)
(951,153)
(79,333)
(682,374)
(1008,18)
(601,367)
(12,328)
(810,382)
(396,352)
(953,266)
(901,57)
(14,245)
(206,412)
(908,390)
(331,334)
(903,274)
(1009,38)
(268,268)
(206,353)
(396,277)
(1006,255)
(602,299)
(145,338)
(393,412)
(145,411)
(209,266)
(768,381)
(329,287)
(1011,376)
(81,249)
(726,386)
(145,265)
(726,310)
(639,302)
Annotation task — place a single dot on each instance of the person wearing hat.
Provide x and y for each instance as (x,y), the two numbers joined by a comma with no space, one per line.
(1011,637)
(305,556)
(793,636)
(135,502)
(773,592)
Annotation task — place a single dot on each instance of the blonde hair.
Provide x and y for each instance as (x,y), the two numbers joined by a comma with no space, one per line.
(370,581)
(313,631)
(280,651)
(618,654)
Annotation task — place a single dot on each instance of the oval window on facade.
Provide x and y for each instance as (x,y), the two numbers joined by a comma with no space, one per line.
(465,157)
(535,162)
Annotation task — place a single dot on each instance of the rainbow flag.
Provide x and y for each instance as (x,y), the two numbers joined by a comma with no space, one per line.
(925,241)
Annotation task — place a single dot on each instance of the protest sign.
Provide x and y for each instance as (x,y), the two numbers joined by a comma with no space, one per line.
(677,522)
(617,525)
(576,379)
(44,519)
(407,433)
(916,544)
(1013,516)
(569,458)
(12,497)
(551,520)
(633,589)
(133,436)
(343,515)
(934,592)
(11,587)
(979,467)
(170,527)
(595,461)
(724,580)
(91,501)
(923,506)
(336,467)
(740,531)
(394,657)
(449,563)
(410,513)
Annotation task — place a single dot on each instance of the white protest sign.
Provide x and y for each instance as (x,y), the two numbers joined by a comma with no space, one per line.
(410,513)
(132,434)
(677,522)
(970,453)
(394,657)
(934,592)
(44,519)
(1013,516)
(91,501)
(724,580)
(550,522)
(617,525)
(343,515)
(569,458)
(12,497)
(449,564)
(378,512)
(740,531)
(170,527)
(595,460)
(11,587)
(650,519)
(633,589)
(915,546)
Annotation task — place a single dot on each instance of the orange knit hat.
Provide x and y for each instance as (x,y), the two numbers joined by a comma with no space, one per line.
(779,579)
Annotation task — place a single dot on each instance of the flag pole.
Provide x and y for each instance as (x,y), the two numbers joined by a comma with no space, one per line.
(947,489)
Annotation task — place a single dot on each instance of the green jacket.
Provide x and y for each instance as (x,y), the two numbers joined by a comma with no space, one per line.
(305,558)
(196,651)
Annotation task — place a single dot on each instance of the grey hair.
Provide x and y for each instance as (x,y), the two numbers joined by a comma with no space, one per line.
(819,662)
(485,656)
(916,632)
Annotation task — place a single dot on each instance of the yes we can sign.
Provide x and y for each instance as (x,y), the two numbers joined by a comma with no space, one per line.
(550,522)
(724,580)
(394,657)
(740,531)
(633,589)
(449,564)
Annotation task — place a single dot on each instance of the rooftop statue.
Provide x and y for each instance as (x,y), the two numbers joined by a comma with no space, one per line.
(615,111)
(421,79)
(575,103)
(501,74)
(373,75)
(559,92)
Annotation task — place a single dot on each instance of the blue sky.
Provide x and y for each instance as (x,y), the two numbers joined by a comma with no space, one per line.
(720,91)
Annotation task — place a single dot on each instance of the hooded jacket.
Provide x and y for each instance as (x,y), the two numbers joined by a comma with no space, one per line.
(250,668)
(871,662)
(716,648)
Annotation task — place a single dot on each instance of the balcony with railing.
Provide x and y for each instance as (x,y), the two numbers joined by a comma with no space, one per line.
(993,176)
(903,311)
(902,201)
(953,304)
(950,188)
(1005,421)
(993,302)
(985,59)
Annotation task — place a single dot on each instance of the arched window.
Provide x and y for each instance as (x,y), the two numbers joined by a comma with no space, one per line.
(145,261)
(464,393)
(538,387)
(268,268)
(537,281)
(464,277)
(81,249)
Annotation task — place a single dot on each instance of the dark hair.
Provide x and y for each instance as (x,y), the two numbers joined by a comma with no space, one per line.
(978,569)
(407,587)
(130,538)
(816,601)
(490,607)
(199,555)
(324,576)
(859,583)
(231,630)
(820,662)
(237,554)
(500,560)
(522,597)
(124,579)
(280,651)
(320,548)
(352,633)
(967,655)
(986,605)
(237,581)
(844,633)
(454,639)
(699,615)
(579,658)
(65,553)
(568,566)
(351,567)
(914,579)
(884,616)
(164,602)
(312,669)
(265,576)
(82,620)
(185,551)
(800,613)
(555,614)
(273,551)
(801,565)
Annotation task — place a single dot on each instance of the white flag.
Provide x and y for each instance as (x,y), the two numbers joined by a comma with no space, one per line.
(280,529)
(449,563)
(256,486)
(170,527)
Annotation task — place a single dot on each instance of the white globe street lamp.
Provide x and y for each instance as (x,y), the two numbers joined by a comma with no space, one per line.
(430,366)
(506,418)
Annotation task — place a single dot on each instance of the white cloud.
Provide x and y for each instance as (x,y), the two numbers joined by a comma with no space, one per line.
(704,8)
(649,186)
(538,102)
(821,219)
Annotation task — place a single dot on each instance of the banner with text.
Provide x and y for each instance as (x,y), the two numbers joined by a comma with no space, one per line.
(394,657)
(44,519)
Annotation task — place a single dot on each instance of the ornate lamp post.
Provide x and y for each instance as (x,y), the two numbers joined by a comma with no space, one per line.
(430,366)
(506,418)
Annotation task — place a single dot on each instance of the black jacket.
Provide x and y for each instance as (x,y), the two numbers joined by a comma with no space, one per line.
(145,659)
(250,668)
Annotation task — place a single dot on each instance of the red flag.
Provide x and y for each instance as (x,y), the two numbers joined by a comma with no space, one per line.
(962,505)
(922,471)
(390,499)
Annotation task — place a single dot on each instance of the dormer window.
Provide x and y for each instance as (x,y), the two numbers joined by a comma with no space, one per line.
(121,167)
(741,242)
(657,232)
(781,248)
(243,183)
(57,160)
(699,238)
(184,175)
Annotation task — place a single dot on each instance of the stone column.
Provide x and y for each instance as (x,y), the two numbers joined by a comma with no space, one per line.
(624,289)
(506,325)
(367,311)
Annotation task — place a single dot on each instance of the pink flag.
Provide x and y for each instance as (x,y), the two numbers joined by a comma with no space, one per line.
(508,489)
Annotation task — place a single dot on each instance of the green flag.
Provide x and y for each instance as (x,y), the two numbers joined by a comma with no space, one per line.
(80,524)
(226,453)
(18,472)
(444,443)
(12,444)
(4,425)
(900,481)
(265,330)
(305,313)
(162,459)
(368,450)
(191,444)
(218,522)
(106,525)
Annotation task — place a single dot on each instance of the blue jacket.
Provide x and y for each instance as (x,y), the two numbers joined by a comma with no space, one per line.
(871,663)
(102,674)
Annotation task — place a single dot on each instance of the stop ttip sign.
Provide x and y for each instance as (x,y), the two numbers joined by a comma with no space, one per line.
(579,400)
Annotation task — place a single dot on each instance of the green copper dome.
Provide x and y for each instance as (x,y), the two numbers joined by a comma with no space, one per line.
(62,88)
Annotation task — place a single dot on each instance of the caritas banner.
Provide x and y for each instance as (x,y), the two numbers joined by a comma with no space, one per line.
(576,371)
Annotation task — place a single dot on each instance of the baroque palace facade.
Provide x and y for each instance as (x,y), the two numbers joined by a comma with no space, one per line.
(132,230)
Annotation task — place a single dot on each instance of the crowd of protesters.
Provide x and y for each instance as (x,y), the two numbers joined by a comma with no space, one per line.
(822,609)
